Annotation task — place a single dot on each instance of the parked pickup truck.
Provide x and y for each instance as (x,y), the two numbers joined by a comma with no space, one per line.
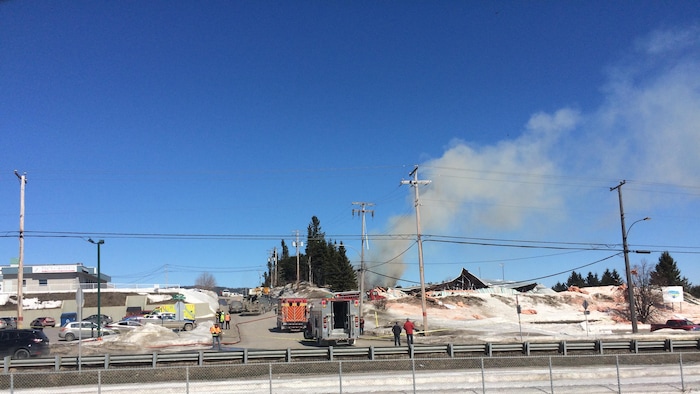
(677,324)
(169,322)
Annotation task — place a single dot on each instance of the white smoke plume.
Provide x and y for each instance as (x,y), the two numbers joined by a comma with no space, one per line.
(646,127)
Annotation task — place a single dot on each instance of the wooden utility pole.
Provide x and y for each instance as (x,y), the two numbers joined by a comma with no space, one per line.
(628,271)
(20,268)
(362,212)
(415,183)
(297,245)
(273,268)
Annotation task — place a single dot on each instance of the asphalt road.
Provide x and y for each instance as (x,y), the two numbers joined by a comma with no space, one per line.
(255,332)
(260,332)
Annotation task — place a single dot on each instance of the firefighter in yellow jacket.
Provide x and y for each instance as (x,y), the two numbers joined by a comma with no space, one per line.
(215,331)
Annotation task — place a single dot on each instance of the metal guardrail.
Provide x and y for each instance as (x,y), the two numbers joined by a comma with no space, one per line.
(245,356)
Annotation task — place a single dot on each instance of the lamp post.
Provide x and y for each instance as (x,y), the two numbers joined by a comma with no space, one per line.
(99,285)
(628,271)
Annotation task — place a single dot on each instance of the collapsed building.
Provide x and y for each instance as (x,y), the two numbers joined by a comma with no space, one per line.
(466,283)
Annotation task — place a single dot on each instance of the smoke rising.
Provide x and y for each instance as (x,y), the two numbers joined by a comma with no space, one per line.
(646,127)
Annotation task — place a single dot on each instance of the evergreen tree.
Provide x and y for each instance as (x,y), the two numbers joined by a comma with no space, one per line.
(287,266)
(666,273)
(285,251)
(617,279)
(694,291)
(316,250)
(592,279)
(575,280)
(347,276)
(560,287)
(610,278)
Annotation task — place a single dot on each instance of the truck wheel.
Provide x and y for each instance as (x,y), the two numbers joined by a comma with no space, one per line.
(188,327)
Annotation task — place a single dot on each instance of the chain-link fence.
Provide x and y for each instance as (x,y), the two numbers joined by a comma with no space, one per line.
(659,372)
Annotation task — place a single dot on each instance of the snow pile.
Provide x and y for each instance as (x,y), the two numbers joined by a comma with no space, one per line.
(192,296)
(494,317)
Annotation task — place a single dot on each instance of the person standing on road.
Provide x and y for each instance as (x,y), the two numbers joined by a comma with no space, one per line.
(215,331)
(409,327)
(396,329)
(222,319)
(227,319)
(362,325)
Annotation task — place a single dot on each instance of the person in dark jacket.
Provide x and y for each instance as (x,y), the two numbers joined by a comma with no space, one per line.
(396,329)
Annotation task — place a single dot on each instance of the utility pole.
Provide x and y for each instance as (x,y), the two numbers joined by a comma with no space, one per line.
(273,268)
(625,251)
(20,266)
(415,183)
(297,244)
(308,264)
(362,212)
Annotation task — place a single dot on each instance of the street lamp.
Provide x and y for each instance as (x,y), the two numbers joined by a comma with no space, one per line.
(628,271)
(99,285)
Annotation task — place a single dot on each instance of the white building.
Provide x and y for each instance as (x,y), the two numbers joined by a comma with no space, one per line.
(51,277)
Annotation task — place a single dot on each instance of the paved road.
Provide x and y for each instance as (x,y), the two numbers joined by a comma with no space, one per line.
(260,332)
(249,331)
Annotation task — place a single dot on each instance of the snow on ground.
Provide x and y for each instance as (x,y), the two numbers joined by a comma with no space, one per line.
(475,317)
(146,339)
(493,317)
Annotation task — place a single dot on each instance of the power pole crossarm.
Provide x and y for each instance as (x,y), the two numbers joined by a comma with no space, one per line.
(415,183)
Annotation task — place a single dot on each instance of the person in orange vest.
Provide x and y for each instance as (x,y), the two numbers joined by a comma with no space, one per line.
(227,319)
(215,331)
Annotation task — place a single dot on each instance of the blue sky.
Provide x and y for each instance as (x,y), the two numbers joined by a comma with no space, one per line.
(236,122)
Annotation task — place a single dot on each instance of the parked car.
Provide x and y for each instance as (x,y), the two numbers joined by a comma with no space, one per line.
(3,325)
(83,329)
(93,318)
(41,322)
(124,326)
(676,324)
(158,315)
(10,322)
(23,343)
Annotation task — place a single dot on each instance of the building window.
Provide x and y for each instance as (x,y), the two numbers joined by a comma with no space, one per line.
(43,282)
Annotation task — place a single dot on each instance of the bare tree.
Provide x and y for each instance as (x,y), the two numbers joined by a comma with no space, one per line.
(205,281)
(646,295)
